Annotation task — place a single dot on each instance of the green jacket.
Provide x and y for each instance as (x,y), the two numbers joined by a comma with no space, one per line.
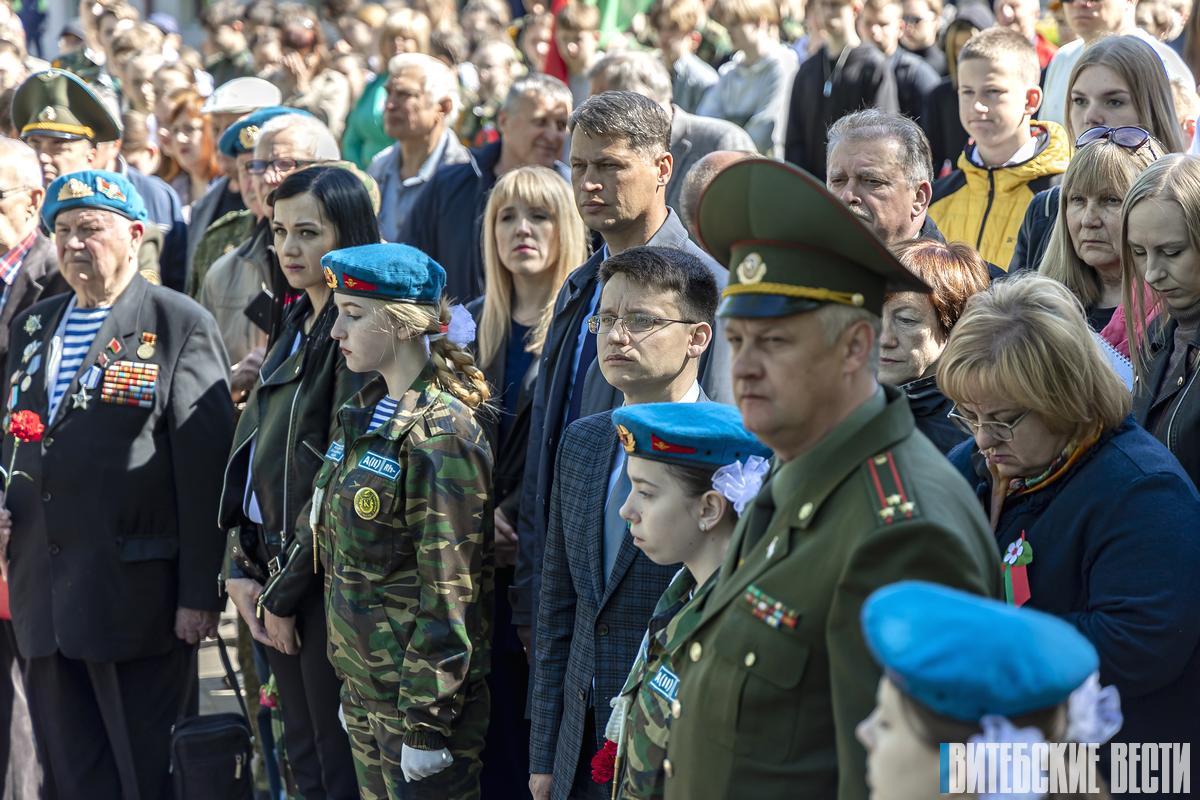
(403,522)
(778,674)
(653,685)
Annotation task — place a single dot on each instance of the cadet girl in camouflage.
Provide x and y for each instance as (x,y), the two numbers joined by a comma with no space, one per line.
(401,520)
(681,508)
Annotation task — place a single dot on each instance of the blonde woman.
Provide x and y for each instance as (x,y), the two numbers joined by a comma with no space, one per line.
(1160,260)
(532,238)
(401,519)
(1119,81)
(1094,517)
(1084,250)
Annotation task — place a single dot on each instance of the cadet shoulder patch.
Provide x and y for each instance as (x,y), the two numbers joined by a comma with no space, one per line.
(889,491)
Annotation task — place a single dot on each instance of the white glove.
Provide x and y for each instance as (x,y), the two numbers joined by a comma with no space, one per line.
(417,764)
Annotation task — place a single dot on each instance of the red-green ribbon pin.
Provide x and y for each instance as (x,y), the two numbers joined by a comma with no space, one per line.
(1016,580)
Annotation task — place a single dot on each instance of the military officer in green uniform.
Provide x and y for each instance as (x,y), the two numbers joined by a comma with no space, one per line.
(692,467)
(402,520)
(777,675)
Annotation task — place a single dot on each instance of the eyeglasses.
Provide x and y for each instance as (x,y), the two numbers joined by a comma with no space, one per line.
(634,323)
(1000,431)
(7,193)
(1128,136)
(259,166)
(913,19)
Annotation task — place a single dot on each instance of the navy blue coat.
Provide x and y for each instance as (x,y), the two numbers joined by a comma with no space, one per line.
(164,210)
(447,220)
(1116,554)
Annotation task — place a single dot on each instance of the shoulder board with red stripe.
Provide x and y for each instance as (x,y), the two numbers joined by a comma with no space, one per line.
(894,500)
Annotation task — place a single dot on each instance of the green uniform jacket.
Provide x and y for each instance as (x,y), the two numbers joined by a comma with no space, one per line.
(653,685)
(777,673)
(404,527)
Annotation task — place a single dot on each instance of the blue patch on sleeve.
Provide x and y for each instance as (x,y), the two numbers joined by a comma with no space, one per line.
(335,452)
(381,465)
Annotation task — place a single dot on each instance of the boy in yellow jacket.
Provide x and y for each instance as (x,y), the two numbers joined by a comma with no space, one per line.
(1009,157)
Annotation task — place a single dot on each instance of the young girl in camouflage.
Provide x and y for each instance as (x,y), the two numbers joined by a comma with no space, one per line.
(693,469)
(402,521)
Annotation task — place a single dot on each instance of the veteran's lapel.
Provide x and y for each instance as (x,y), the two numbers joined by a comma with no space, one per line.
(116,341)
(37,341)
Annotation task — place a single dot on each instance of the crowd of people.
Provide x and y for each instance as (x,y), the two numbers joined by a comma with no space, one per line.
(671,399)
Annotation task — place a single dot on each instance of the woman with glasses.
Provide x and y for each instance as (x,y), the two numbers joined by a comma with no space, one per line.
(1118,82)
(1094,518)
(916,326)
(1160,258)
(1084,250)
(280,443)
(193,147)
(532,239)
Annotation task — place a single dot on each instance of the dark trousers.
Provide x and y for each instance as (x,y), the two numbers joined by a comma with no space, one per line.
(20,760)
(505,773)
(106,726)
(583,787)
(317,747)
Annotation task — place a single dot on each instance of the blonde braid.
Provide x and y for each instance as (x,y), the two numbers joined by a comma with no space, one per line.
(456,370)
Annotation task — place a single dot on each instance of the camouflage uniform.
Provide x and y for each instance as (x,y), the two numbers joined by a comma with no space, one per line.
(402,523)
(219,238)
(651,687)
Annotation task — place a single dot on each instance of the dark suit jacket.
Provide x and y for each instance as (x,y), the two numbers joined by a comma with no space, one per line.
(587,629)
(554,390)
(166,212)
(38,277)
(692,138)
(115,525)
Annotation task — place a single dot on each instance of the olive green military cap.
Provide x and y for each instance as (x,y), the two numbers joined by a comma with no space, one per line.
(791,246)
(58,103)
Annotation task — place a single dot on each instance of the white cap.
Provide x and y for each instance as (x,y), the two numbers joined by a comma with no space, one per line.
(241,96)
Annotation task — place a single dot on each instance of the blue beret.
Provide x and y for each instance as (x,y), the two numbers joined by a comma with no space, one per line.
(92,189)
(241,136)
(385,272)
(966,656)
(689,434)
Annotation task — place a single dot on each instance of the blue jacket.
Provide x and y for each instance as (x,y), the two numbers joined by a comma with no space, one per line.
(1116,554)
(448,219)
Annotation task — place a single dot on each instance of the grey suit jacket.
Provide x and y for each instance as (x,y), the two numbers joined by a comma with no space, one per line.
(692,138)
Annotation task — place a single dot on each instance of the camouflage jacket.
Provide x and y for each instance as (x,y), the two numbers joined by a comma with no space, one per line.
(221,237)
(651,687)
(402,522)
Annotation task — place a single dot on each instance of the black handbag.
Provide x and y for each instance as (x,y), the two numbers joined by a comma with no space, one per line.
(210,754)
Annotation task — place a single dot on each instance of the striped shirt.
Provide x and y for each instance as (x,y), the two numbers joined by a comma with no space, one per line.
(383,412)
(78,332)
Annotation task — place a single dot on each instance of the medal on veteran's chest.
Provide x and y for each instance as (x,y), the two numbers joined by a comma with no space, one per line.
(81,398)
(366,503)
(145,350)
(33,324)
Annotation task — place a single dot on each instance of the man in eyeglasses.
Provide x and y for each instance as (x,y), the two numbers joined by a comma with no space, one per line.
(922,30)
(598,590)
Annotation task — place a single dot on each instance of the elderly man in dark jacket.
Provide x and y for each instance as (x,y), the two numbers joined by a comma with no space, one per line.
(109,529)
(447,221)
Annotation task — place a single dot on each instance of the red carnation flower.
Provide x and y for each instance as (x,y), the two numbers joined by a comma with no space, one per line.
(604,762)
(26,426)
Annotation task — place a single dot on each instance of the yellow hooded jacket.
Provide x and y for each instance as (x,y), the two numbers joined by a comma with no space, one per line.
(984,207)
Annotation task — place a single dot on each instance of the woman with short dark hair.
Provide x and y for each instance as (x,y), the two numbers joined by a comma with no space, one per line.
(279,445)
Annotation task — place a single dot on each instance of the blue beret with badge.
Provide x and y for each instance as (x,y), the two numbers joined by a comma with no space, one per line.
(241,136)
(385,271)
(701,434)
(108,191)
(965,656)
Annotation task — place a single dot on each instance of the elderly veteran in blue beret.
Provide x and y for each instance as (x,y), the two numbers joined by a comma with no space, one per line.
(965,669)
(778,673)
(402,521)
(693,469)
(72,129)
(108,532)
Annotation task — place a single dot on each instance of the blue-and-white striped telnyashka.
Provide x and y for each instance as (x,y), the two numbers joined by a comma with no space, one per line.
(384,411)
(78,334)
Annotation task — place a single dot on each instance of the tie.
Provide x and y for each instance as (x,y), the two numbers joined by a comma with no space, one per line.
(615,528)
(761,511)
(587,355)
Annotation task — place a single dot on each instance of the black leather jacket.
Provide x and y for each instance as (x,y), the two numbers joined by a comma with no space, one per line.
(289,418)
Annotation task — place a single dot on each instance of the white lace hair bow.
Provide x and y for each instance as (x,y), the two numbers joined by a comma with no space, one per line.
(740,483)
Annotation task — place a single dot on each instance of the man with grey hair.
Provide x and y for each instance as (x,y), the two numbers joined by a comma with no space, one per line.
(692,136)
(699,177)
(447,219)
(879,166)
(421,109)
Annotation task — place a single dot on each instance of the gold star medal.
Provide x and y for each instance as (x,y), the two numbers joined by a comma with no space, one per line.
(366,503)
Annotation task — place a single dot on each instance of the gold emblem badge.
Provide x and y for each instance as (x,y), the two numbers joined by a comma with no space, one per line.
(626,439)
(330,278)
(248,136)
(74,189)
(752,269)
(366,503)
(47,114)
